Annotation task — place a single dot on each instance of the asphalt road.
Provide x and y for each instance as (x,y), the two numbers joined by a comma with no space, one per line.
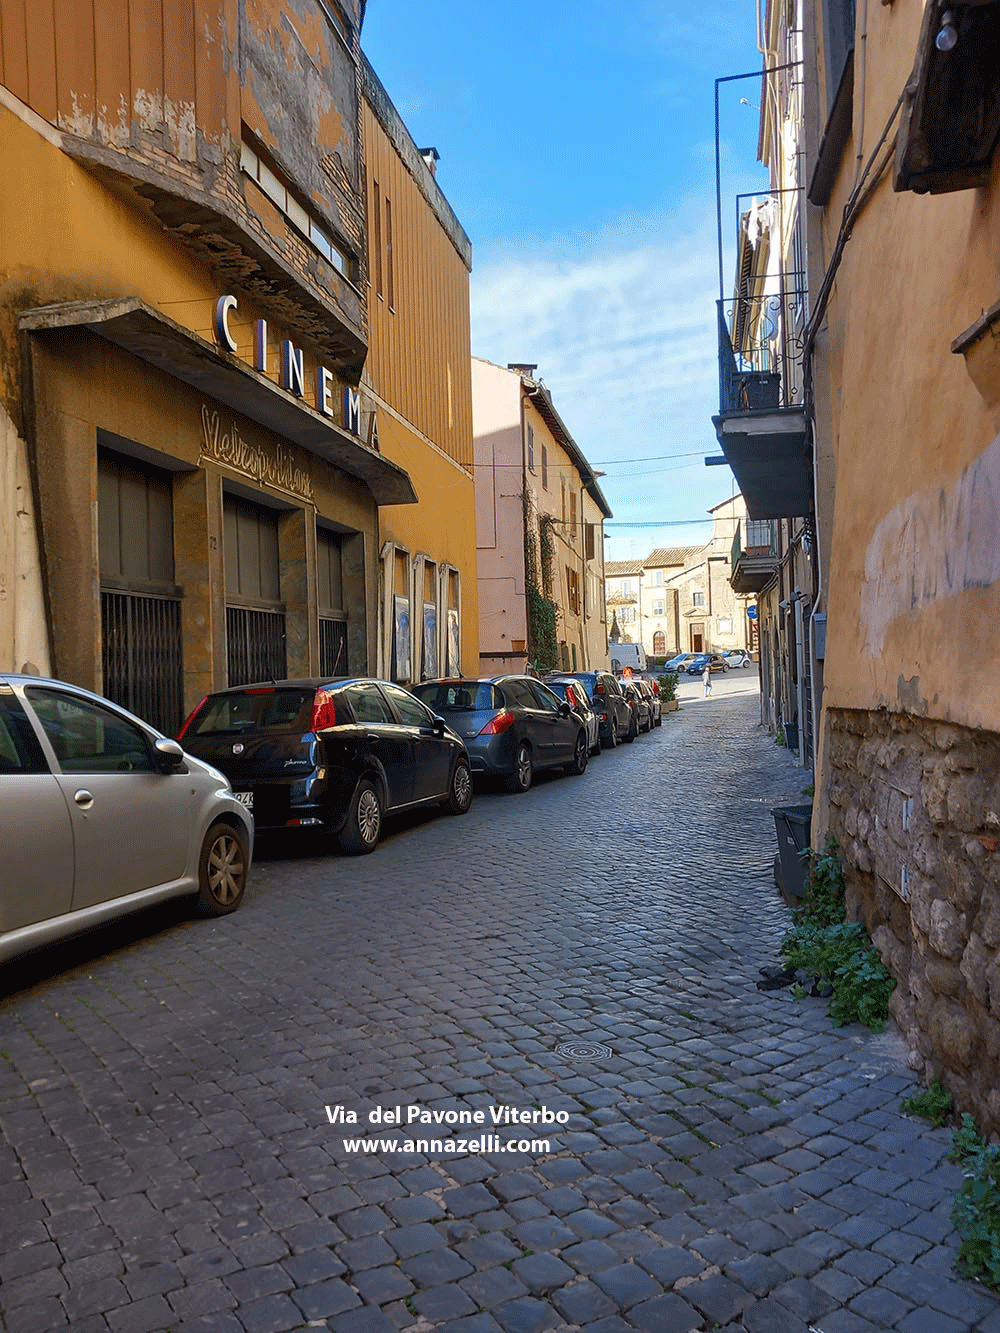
(573,969)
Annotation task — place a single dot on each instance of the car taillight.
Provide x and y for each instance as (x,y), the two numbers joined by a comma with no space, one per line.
(499,724)
(324,713)
(191,717)
(599,689)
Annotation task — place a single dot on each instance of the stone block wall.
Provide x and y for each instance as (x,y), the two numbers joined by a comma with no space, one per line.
(915,809)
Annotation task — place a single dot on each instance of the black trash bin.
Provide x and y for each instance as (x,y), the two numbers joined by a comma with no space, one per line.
(793,825)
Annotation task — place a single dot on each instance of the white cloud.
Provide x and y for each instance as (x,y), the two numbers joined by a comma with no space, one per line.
(623,328)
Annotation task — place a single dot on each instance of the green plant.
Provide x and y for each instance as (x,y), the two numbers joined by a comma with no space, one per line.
(837,953)
(976,1210)
(667,682)
(543,613)
(779,736)
(810,790)
(935,1104)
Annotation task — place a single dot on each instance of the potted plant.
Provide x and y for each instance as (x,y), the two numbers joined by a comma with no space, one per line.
(668,692)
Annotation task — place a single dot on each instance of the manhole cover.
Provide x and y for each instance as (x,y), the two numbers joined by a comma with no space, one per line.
(583,1050)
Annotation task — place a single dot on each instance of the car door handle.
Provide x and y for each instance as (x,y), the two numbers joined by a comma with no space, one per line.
(84,798)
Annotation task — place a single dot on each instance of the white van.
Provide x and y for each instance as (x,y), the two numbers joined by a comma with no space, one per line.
(627,655)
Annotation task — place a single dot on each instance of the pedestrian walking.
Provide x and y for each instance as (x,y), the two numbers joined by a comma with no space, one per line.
(706,680)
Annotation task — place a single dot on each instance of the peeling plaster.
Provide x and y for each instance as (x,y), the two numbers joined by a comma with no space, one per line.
(936,545)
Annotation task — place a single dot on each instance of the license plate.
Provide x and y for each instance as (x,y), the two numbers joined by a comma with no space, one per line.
(244,798)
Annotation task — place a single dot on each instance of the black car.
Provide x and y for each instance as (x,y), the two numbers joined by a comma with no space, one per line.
(642,709)
(608,702)
(337,755)
(511,726)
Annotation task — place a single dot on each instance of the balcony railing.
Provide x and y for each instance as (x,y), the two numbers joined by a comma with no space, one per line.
(753,565)
(760,352)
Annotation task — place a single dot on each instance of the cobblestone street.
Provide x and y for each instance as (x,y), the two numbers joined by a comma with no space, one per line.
(730,1160)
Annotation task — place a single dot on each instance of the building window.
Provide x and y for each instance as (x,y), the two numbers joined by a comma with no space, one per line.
(573,590)
(658,578)
(305,222)
(545,468)
(255,617)
(572,514)
(531,449)
(657,608)
(377,236)
(698,599)
(390,285)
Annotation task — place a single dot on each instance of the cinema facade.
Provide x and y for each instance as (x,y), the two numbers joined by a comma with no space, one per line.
(190,470)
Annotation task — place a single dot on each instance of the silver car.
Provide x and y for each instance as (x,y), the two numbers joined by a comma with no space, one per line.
(100,816)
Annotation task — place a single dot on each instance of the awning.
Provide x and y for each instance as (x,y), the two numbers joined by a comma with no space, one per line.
(160,342)
(768,454)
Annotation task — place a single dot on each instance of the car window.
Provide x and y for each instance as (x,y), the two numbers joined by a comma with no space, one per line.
(544,698)
(366,704)
(518,694)
(611,684)
(20,751)
(88,738)
(264,709)
(411,711)
(456,695)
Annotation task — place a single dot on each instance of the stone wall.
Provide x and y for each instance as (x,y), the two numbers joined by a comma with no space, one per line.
(915,809)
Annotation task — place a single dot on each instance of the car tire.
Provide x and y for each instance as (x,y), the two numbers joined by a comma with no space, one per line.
(222,870)
(595,749)
(520,780)
(363,825)
(612,733)
(581,754)
(633,731)
(659,719)
(459,798)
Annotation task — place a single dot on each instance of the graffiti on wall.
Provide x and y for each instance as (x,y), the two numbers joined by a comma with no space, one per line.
(937,544)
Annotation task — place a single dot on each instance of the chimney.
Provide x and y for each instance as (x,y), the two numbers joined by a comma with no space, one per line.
(523,368)
(432,157)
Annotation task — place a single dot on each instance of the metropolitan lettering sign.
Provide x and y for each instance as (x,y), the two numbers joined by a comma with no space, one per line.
(270,467)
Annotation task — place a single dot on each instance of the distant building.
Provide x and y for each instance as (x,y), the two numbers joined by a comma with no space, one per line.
(540,530)
(681,599)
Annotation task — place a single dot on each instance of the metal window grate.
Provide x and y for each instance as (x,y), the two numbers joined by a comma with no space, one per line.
(332,647)
(255,645)
(141,656)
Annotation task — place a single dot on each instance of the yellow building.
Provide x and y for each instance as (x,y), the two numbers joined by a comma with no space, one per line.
(417,390)
(896,112)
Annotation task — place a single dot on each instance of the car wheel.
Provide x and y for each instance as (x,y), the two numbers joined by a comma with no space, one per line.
(581,753)
(659,719)
(520,779)
(612,733)
(633,731)
(222,871)
(596,747)
(460,796)
(360,833)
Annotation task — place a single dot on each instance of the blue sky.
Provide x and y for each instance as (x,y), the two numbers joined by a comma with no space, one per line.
(577,144)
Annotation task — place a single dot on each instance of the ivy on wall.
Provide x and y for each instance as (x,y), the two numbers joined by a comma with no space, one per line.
(543,613)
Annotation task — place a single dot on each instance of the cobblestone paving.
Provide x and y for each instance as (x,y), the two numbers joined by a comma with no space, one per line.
(734,1162)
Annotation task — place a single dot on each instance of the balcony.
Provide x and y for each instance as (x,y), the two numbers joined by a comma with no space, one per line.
(753,565)
(761,425)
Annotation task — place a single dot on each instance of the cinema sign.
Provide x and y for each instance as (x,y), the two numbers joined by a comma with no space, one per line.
(291,368)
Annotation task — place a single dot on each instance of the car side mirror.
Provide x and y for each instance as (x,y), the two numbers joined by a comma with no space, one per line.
(170,755)
(564,709)
(439,726)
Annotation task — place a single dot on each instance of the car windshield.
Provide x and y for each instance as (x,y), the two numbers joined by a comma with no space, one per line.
(457,696)
(262,709)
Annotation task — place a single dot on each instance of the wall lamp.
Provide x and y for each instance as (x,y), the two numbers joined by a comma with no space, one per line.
(947,37)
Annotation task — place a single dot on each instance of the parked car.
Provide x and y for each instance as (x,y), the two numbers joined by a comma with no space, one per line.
(511,725)
(576,696)
(631,655)
(738,657)
(103,816)
(336,755)
(679,663)
(651,689)
(713,661)
(608,702)
(642,709)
